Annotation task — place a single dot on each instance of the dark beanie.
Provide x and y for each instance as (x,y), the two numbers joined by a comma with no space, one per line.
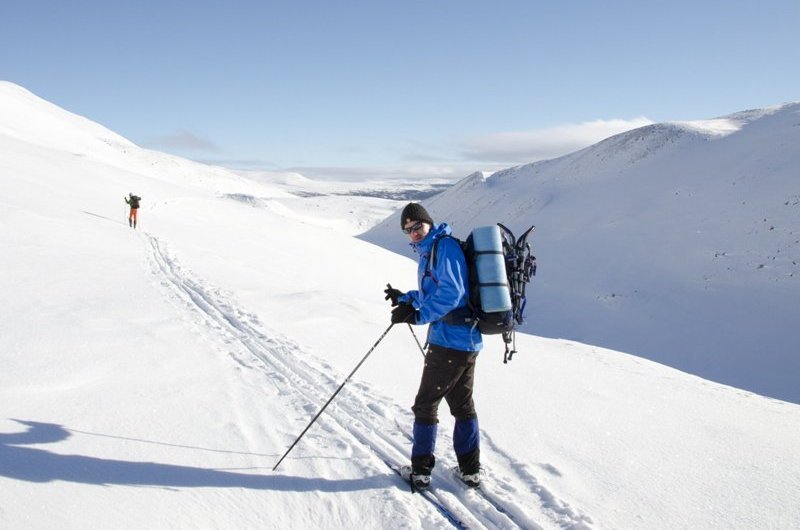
(414,212)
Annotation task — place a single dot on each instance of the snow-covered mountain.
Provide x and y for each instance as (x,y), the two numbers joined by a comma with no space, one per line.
(679,242)
(152,378)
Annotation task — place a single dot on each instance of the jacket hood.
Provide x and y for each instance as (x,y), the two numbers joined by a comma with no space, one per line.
(424,246)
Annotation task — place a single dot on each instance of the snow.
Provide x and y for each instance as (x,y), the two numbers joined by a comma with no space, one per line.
(153,377)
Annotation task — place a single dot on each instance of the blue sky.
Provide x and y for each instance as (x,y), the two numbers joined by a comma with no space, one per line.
(363,88)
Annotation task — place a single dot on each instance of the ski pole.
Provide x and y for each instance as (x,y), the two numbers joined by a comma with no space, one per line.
(333,396)
(421,349)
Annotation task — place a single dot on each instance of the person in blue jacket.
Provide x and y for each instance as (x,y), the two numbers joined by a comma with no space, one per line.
(453,347)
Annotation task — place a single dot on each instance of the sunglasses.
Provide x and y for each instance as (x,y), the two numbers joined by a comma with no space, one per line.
(416,227)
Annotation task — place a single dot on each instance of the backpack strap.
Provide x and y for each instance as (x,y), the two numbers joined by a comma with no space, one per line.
(460,316)
(432,257)
(509,337)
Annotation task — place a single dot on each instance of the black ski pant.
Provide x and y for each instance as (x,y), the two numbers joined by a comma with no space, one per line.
(448,374)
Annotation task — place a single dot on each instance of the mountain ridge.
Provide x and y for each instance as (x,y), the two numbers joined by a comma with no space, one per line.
(702,209)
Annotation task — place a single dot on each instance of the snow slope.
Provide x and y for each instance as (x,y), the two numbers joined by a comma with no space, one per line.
(153,378)
(679,242)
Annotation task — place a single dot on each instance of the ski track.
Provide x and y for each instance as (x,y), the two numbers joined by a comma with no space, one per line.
(509,497)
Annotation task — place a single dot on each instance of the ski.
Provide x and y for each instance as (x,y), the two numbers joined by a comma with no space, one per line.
(486,495)
(479,490)
(428,496)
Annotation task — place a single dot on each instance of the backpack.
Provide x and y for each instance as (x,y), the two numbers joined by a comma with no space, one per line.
(520,267)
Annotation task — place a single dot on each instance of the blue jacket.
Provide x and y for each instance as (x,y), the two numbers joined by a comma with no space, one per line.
(441,290)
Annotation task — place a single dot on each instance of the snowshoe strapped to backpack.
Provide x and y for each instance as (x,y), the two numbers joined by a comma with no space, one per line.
(488,280)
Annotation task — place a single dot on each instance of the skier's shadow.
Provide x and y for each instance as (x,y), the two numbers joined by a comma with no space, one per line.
(37,465)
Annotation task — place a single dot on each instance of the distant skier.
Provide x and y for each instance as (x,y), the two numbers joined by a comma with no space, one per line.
(133,201)
(449,370)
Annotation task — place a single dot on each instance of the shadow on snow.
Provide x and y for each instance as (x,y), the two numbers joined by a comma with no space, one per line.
(37,465)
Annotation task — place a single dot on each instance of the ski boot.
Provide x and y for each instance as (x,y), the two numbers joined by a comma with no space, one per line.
(473,480)
(417,481)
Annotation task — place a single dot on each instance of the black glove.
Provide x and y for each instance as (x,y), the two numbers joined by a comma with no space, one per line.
(404,313)
(392,293)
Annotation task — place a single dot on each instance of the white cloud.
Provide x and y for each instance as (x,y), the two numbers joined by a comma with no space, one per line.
(434,172)
(530,146)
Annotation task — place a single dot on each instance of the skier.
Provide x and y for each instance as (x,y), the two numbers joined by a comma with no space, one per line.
(133,201)
(453,347)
